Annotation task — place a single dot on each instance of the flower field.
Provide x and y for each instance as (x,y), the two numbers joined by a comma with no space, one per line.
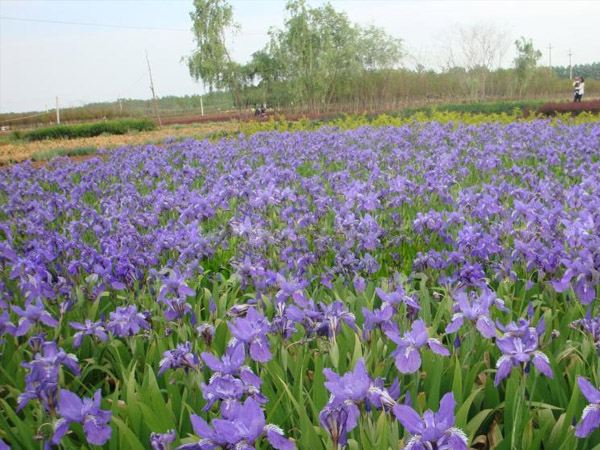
(427,286)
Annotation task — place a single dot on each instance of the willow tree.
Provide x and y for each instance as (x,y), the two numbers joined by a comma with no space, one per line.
(211,61)
(319,52)
(525,62)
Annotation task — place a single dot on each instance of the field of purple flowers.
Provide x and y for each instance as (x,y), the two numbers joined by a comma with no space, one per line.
(427,287)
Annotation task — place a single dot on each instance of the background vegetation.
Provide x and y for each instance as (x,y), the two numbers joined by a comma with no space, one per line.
(321,62)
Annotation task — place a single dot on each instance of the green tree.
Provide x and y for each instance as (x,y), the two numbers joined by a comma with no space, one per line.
(319,52)
(525,62)
(211,61)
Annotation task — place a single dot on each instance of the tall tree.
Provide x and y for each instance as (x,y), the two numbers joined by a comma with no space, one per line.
(320,51)
(211,61)
(525,62)
(479,49)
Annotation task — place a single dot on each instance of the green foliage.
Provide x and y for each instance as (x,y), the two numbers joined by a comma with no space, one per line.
(591,71)
(525,413)
(525,62)
(45,155)
(319,52)
(87,129)
(211,61)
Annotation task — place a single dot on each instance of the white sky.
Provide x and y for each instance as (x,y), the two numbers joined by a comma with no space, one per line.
(85,63)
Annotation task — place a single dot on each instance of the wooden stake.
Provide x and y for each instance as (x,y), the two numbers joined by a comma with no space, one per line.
(153,94)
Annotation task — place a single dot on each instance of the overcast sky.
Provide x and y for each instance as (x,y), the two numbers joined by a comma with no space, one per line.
(59,48)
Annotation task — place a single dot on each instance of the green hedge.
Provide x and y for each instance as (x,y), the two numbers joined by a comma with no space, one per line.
(84,130)
(498,107)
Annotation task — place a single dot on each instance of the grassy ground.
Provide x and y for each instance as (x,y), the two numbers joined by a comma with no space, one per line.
(17,151)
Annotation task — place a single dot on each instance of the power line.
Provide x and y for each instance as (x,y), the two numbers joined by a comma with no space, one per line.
(22,118)
(89,24)
(127,27)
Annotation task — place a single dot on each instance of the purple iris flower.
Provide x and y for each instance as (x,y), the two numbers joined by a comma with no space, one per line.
(5,325)
(519,345)
(477,311)
(231,380)
(230,362)
(226,388)
(88,328)
(408,356)
(239,429)
(173,294)
(32,315)
(207,332)
(590,420)
(252,331)
(352,386)
(359,284)
(398,297)
(583,286)
(72,409)
(334,418)
(162,441)
(306,315)
(379,318)
(229,389)
(182,356)
(174,286)
(42,380)
(127,321)
(281,323)
(590,325)
(433,430)
(340,415)
(333,316)
(177,309)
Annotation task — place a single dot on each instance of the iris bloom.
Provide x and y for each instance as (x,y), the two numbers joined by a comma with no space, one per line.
(242,425)
(408,353)
(252,331)
(182,356)
(433,430)
(88,328)
(519,345)
(590,420)
(72,409)
(32,315)
(477,311)
(127,321)
(340,415)
(162,441)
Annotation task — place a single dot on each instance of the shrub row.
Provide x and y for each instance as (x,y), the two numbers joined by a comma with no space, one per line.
(551,109)
(87,129)
(499,107)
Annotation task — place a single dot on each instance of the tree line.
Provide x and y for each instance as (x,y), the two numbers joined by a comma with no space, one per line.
(320,60)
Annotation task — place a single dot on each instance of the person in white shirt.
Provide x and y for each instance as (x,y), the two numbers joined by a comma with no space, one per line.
(579,89)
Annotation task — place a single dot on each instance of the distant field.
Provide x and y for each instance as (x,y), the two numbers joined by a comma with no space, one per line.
(12,150)
(15,151)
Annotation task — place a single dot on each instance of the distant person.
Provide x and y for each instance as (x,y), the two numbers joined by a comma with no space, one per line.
(581,88)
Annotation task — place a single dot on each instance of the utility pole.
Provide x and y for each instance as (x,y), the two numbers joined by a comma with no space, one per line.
(570,66)
(57,113)
(550,55)
(153,94)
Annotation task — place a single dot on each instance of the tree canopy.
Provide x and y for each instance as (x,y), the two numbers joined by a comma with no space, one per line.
(314,57)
